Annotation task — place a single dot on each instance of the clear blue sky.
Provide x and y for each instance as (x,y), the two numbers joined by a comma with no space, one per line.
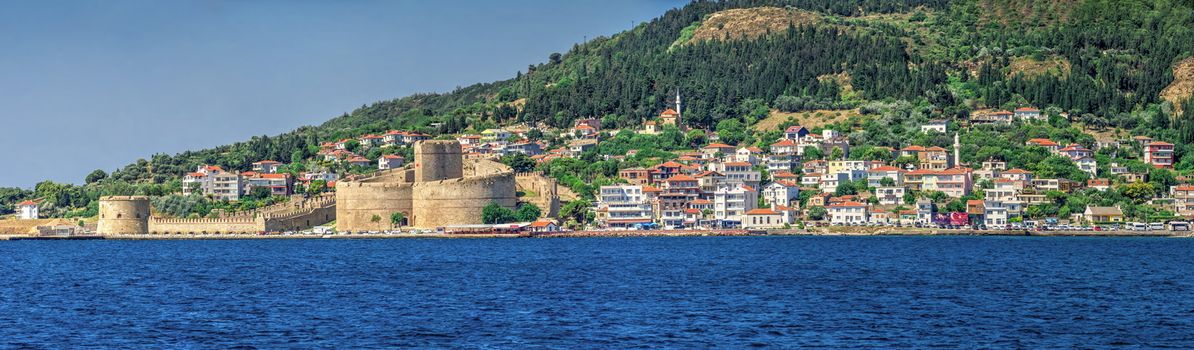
(90,85)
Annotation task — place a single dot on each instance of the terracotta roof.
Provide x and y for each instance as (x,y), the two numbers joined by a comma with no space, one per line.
(885,168)
(267,162)
(784,142)
(1027,109)
(794,128)
(542,223)
(692,211)
(1018,171)
(737,164)
(1159,143)
(26,203)
(913,148)
(762,211)
(651,189)
(718,145)
(701,201)
(847,204)
(680,177)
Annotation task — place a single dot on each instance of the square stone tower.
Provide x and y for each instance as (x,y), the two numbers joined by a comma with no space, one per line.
(438,160)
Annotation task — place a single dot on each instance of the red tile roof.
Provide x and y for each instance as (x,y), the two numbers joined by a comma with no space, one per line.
(762,211)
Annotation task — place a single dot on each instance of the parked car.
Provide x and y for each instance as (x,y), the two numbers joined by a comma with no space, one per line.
(1179,226)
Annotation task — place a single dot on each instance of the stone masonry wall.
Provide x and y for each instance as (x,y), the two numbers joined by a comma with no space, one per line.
(459,201)
(358,202)
(123,215)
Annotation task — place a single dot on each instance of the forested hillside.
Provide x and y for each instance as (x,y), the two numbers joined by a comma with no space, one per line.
(1103,62)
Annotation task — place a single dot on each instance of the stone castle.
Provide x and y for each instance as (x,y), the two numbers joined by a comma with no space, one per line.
(440,188)
(130,215)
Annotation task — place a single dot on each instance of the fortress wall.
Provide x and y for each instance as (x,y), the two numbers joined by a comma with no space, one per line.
(482,167)
(210,226)
(459,201)
(303,220)
(123,215)
(357,203)
(546,192)
(401,175)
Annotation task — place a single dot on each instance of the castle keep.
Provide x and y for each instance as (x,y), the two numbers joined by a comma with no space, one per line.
(440,188)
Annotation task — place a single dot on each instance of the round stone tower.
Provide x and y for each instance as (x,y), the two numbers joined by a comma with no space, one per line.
(123,215)
(438,160)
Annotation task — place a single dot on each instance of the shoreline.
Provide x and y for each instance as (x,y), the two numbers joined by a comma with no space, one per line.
(616,234)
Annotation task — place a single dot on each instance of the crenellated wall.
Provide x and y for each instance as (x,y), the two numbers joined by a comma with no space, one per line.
(130,216)
(546,192)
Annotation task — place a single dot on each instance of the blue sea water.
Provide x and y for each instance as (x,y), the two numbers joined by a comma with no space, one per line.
(694,292)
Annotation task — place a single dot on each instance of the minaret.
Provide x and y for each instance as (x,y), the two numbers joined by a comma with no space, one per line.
(957,151)
(678,109)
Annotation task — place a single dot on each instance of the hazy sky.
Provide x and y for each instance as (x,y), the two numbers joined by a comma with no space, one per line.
(90,85)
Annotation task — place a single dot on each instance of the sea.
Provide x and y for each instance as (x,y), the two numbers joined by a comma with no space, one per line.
(600,293)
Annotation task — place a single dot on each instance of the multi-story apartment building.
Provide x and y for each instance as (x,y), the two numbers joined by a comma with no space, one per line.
(623,206)
(740,172)
(782,193)
(731,202)
(1183,200)
(1159,154)
(213,181)
(875,176)
(890,195)
(266,166)
(278,184)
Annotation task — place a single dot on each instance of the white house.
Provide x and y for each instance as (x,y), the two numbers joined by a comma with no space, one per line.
(847,213)
(934,125)
(785,193)
(995,214)
(763,218)
(27,210)
(390,161)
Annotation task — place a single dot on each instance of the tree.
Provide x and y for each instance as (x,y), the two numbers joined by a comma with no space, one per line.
(95,176)
(576,210)
(519,162)
(397,218)
(817,213)
(731,131)
(317,187)
(259,193)
(887,181)
(1139,192)
(811,152)
(494,213)
(375,219)
(527,212)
